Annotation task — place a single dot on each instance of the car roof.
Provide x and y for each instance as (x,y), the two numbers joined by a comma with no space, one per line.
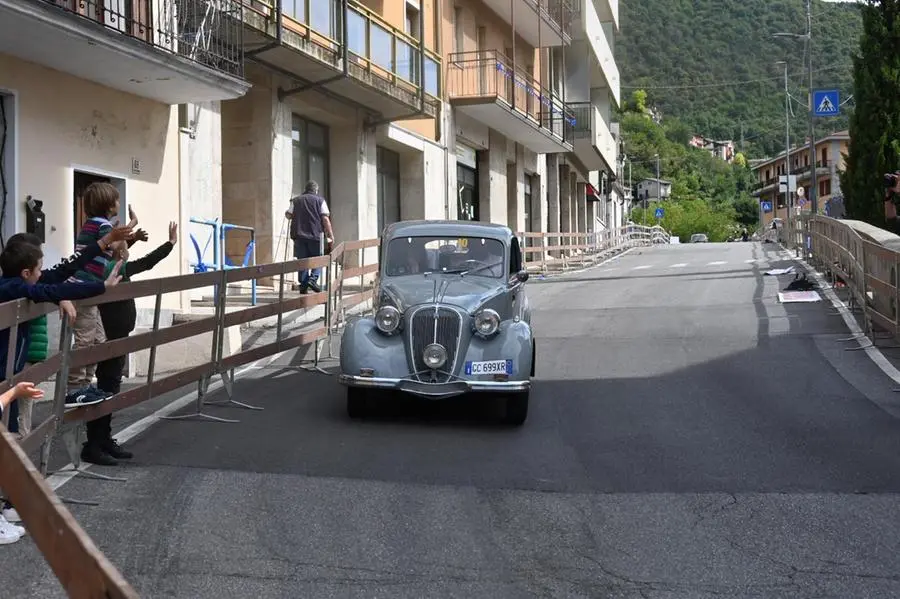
(453,228)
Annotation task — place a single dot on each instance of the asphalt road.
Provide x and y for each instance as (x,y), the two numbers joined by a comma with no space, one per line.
(689,437)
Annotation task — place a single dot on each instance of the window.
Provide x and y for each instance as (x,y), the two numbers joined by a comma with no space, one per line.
(388,184)
(309,141)
(475,256)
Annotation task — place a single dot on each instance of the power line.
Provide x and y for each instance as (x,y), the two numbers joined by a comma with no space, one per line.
(730,83)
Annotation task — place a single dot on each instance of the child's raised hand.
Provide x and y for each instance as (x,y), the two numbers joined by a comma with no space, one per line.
(25,390)
(173,233)
(114,277)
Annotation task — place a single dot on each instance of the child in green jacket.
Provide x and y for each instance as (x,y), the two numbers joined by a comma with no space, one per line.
(38,351)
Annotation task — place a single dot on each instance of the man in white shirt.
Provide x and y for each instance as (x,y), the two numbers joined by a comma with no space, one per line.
(310,220)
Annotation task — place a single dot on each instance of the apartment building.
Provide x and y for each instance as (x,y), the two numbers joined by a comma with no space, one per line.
(830,152)
(491,110)
(406,109)
(87,93)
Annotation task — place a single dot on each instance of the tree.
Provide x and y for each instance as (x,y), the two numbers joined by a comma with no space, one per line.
(875,123)
(686,217)
(639,101)
(747,211)
(740,160)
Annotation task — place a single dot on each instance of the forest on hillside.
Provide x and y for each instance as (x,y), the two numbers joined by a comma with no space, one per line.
(689,54)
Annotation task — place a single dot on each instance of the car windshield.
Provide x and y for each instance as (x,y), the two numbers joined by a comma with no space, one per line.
(476,256)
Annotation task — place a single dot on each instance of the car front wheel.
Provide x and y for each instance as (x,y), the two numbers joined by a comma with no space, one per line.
(516,409)
(357,402)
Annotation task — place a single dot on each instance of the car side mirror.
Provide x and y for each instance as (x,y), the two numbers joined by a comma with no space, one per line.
(522,276)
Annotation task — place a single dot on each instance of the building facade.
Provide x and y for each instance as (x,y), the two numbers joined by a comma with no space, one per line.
(830,153)
(492,110)
(88,92)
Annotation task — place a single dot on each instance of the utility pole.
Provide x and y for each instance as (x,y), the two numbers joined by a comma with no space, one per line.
(787,151)
(814,182)
(742,136)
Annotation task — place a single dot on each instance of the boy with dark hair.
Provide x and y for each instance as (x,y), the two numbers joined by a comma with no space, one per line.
(21,265)
(20,420)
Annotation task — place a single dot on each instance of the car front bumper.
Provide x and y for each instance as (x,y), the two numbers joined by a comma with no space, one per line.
(435,390)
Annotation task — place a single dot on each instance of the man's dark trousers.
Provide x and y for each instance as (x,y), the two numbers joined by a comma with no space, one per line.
(307,248)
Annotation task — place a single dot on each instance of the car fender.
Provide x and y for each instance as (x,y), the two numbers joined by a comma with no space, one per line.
(364,346)
(512,342)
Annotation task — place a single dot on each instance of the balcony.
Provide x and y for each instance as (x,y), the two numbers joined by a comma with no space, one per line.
(594,144)
(607,11)
(486,87)
(171,51)
(541,23)
(382,74)
(606,72)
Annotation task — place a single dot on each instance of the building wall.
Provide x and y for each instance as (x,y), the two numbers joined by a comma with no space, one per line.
(64,124)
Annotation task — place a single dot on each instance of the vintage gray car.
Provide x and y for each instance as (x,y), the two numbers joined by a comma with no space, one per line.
(450,317)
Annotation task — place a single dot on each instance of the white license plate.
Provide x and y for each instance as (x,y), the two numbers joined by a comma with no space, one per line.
(490,367)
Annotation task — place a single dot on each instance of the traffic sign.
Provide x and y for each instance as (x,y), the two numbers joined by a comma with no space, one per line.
(791,183)
(660,212)
(766,206)
(826,102)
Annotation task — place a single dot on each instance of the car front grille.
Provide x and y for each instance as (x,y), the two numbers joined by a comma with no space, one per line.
(427,328)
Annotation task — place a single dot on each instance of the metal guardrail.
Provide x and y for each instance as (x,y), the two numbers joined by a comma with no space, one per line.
(851,251)
(349,274)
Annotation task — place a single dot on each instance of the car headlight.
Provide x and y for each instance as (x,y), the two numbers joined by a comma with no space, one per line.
(434,356)
(387,319)
(487,322)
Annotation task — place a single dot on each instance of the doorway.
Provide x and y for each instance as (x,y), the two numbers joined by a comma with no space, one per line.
(388,176)
(82,180)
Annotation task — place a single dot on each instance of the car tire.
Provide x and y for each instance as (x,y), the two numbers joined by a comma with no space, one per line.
(516,409)
(357,403)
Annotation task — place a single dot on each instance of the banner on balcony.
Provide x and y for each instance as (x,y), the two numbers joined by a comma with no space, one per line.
(591,193)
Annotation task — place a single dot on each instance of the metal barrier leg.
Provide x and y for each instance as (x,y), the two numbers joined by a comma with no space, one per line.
(202,387)
(70,439)
(228,383)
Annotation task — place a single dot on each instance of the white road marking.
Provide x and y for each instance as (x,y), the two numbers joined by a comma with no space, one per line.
(717,263)
(679,265)
(641,267)
(751,261)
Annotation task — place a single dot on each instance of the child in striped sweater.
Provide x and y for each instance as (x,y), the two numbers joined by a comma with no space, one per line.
(101,202)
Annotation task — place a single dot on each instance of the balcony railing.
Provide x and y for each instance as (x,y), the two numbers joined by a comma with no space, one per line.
(583,112)
(563,12)
(490,74)
(376,48)
(375,43)
(208,32)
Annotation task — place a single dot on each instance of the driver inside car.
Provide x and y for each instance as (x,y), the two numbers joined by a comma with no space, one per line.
(412,260)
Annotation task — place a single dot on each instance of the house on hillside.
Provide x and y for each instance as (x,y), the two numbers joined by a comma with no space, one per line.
(723,150)
(653,190)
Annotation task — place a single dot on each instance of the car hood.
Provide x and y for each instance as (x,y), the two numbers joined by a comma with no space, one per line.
(467,293)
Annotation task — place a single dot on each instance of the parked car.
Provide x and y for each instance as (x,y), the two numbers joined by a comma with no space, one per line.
(699,238)
(450,317)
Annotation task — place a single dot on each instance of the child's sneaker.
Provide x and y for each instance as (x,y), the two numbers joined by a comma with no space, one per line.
(9,513)
(83,397)
(8,532)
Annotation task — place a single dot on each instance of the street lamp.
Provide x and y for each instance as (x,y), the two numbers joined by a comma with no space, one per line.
(814,184)
(787,151)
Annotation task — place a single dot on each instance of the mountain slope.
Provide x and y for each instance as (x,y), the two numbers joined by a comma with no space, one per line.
(683,51)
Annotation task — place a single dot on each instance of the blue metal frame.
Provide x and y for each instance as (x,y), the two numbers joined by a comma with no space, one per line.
(220,260)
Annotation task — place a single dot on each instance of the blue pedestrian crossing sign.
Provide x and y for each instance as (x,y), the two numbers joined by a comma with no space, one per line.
(766,206)
(660,212)
(826,102)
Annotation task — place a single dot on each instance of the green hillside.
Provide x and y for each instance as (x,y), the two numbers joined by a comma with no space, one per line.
(688,54)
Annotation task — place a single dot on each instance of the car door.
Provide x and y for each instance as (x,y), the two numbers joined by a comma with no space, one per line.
(518,297)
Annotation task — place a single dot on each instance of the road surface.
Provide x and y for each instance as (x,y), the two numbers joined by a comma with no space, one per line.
(689,437)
